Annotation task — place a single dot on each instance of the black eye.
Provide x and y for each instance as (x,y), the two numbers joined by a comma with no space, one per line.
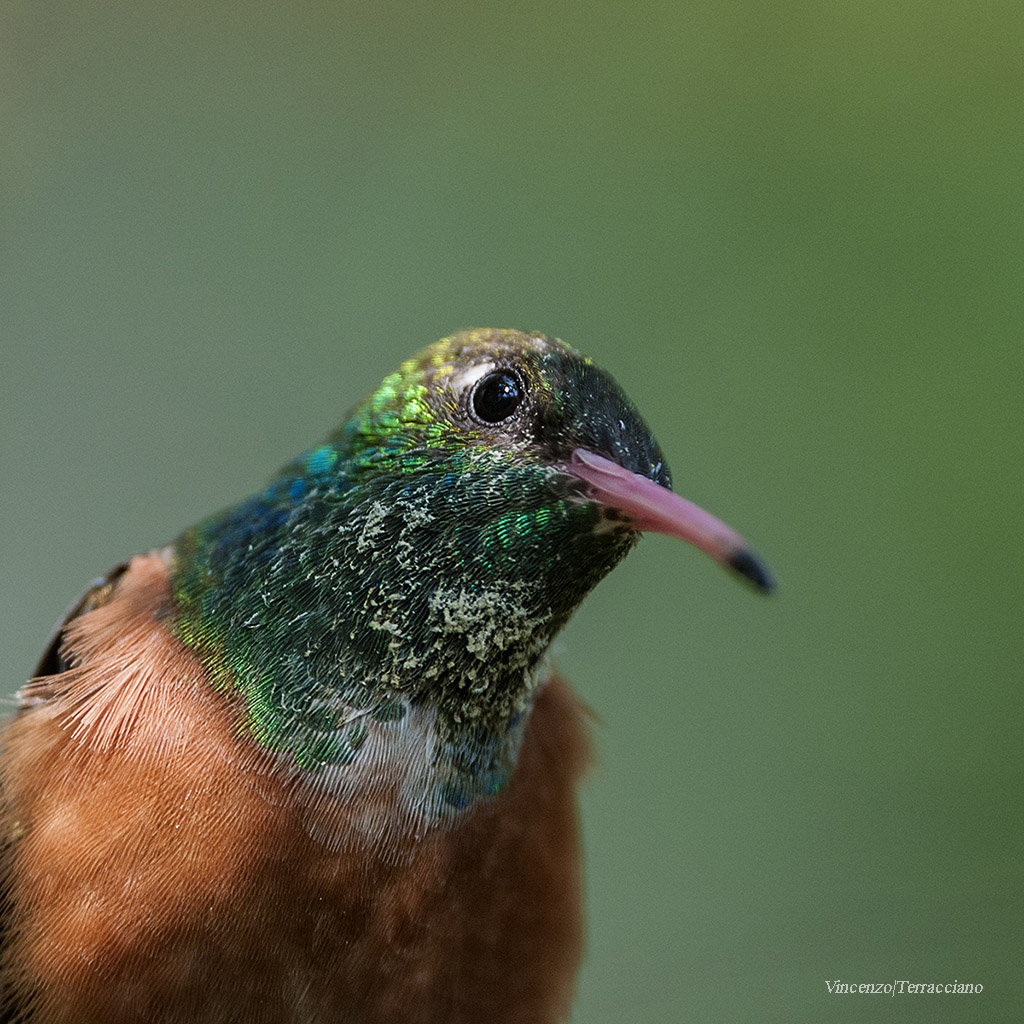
(497,396)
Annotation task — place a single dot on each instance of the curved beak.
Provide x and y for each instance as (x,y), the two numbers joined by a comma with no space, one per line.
(651,507)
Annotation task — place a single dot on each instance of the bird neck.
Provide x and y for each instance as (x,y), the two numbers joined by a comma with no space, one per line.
(361,618)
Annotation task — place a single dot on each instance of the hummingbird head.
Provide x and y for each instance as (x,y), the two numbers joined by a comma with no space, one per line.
(416,565)
(524,402)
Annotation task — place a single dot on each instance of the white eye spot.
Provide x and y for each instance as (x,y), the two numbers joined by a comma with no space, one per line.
(622,426)
(468,377)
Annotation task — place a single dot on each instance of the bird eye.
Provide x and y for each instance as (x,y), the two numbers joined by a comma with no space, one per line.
(497,396)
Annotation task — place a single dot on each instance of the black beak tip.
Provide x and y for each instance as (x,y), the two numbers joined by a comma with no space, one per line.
(751,568)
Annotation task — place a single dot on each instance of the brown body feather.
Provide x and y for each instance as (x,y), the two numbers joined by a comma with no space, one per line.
(158,868)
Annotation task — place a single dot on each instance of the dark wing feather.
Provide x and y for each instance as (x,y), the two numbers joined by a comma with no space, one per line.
(52,660)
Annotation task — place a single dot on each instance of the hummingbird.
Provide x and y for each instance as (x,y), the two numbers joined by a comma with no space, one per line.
(311,762)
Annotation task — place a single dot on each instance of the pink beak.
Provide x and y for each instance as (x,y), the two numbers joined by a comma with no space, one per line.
(649,506)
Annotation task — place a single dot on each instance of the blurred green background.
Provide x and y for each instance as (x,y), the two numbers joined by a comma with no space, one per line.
(794,233)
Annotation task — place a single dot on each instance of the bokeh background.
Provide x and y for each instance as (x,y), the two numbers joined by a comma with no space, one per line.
(793,231)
